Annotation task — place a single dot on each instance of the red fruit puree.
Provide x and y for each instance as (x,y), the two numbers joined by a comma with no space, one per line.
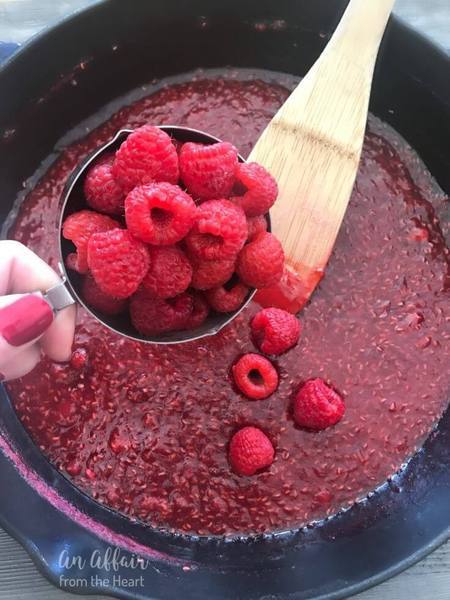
(145,429)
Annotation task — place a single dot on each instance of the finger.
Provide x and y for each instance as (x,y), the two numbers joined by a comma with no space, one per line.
(22,364)
(23,320)
(57,340)
(22,271)
(57,347)
(5,300)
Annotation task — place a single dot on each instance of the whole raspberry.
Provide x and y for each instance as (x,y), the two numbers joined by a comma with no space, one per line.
(147,155)
(98,300)
(78,228)
(317,406)
(260,190)
(151,315)
(219,232)
(275,330)
(208,172)
(250,451)
(118,262)
(159,213)
(210,273)
(260,263)
(226,300)
(256,225)
(255,376)
(170,272)
(102,191)
(200,311)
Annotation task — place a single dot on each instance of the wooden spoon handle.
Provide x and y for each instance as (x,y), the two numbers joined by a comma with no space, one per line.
(313,144)
(362,26)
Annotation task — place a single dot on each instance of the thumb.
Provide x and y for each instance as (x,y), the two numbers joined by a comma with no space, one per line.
(23,319)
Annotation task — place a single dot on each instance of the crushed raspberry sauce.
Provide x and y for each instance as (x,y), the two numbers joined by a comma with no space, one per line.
(145,429)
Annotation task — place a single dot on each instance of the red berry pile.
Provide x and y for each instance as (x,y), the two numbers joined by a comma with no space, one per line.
(316,405)
(190,236)
(189,233)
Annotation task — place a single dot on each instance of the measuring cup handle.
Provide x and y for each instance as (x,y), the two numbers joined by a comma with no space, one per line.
(59,296)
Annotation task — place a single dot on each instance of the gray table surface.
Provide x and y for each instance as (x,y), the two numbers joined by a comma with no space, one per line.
(19,579)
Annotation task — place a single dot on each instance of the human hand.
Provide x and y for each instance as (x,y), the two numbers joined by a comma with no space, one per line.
(27,322)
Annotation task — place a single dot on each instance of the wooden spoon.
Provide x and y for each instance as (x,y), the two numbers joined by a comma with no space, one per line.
(313,146)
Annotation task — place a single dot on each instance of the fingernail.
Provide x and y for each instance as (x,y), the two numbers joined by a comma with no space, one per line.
(25,320)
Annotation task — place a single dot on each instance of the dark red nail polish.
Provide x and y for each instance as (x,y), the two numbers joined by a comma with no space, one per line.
(25,319)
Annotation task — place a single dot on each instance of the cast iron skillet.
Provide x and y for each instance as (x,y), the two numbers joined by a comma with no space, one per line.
(124,45)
